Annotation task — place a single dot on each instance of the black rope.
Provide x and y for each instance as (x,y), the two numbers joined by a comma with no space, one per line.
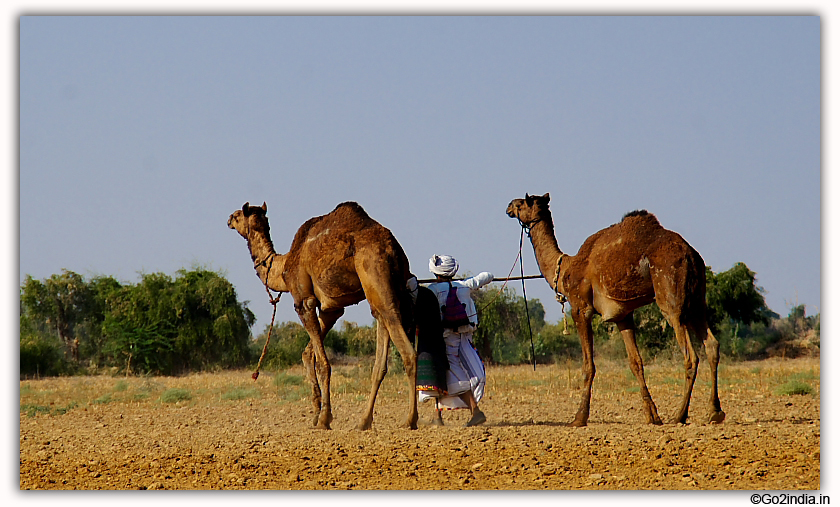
(525,297)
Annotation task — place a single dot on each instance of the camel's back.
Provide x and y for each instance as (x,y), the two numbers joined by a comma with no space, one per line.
(623,253)
(341,235)
(347,219)
(639,232)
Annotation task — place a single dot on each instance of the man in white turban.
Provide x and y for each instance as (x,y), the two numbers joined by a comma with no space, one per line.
(466,378)
(443,265)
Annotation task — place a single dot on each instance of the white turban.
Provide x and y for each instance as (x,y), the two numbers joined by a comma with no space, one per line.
(443,265)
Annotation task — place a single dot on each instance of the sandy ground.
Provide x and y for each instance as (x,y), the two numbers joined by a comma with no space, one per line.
(119,434)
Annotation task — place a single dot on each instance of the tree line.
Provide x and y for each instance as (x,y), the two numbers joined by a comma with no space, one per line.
(195,322)
(162,324)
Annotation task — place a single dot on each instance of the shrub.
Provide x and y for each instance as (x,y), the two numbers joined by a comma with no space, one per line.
(103,400)
(286,347)
(240,393)
(290,387)
(285,379)
(794,387)
(175,395)
(42,356)
(550,344)
(359,340)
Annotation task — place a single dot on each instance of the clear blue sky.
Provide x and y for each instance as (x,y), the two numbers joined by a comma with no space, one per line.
(140,135)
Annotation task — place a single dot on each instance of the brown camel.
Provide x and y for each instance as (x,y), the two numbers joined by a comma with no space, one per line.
(618,269)
(337,260)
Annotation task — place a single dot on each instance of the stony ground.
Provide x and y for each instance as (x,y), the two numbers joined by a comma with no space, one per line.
(223,431)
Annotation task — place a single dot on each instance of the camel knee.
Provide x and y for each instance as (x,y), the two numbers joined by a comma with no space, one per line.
(636,365)
(308,358)
(691,367)
(325,370)
(409,359)
(588,373)
(307,308)
(712,347)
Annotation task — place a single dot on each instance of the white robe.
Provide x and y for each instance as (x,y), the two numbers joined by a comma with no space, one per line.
(466,370)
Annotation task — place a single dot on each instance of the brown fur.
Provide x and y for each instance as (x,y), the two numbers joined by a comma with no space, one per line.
(618,269)
(337,260)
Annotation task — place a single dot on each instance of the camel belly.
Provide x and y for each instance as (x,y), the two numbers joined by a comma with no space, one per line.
(612,310)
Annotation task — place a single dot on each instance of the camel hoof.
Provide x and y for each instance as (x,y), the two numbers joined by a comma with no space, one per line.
(578,423)
(436,422)
(653,418)
(323,423)
(364,426)
(717,417)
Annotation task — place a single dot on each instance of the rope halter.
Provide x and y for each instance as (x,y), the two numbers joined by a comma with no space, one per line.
(559,296)
(269,258)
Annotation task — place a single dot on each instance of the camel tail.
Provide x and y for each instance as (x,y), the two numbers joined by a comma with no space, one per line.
(407,313)
(405,300)
(695,304)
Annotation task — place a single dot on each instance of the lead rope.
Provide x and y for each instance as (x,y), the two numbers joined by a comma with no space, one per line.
(256,373)
(502,288)
(525,297)
(271,300)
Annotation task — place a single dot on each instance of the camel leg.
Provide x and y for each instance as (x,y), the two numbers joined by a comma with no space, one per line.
(327,320)
(307,311)
(409,357)
(380,368)
(583,321)
(385,304)
(309,365)
(691,361)
(712,346)
(628,333)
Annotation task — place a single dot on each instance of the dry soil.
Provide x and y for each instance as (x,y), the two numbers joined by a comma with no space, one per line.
(127,433)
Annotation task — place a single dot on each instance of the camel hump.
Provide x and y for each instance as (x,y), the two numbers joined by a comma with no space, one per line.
(352,207)
(642,214)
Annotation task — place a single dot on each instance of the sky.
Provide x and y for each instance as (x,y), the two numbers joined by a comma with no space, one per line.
(140,135)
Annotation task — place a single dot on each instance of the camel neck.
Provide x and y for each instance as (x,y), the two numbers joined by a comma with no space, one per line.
(545,248)
(268,264)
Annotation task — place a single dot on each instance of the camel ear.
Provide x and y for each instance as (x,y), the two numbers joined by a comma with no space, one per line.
(264,208)
(245,208)
(547,197)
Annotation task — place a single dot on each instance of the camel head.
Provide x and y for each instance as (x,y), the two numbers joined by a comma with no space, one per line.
(529,210)
(249,217)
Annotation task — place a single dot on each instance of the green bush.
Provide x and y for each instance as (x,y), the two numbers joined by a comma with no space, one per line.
(550,344)
(286,347)
(285,379)
(42,357)
(240,393)
(175,395)
(359,340)
(291,387)
(505,330)
(160,325)
(794,387)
